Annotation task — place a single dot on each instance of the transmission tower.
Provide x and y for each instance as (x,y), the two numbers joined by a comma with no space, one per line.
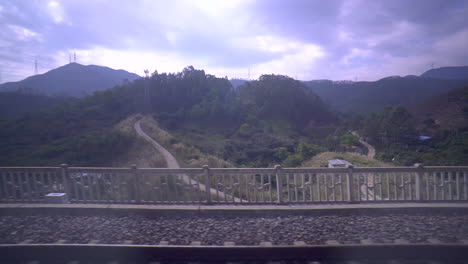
(35,68)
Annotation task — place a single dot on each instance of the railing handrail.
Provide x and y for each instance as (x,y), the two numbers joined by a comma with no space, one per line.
(241,170)
(236,185)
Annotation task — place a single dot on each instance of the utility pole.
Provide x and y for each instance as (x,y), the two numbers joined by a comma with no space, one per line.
(146,96)
(248,78)
(35,68)
(69,57)
(74,57)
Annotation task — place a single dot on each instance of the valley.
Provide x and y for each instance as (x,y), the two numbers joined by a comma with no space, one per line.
(204,120)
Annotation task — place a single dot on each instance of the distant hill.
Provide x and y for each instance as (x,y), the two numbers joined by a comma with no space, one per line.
(73,79)
(447,73)
(365,97)
(445,111)
(237,82)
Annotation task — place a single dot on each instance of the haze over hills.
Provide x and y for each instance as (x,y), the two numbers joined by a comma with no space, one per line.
(72,79)
(365,97)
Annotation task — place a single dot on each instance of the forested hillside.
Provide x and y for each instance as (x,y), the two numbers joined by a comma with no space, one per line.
(434,132)
(261,123)
(367,97)
(272,120)
(13,104)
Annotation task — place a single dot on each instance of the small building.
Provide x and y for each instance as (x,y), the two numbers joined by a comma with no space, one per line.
(354,149)
(338,163)
(357,149)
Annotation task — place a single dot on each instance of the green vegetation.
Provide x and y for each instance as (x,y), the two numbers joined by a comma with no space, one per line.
(367,97)
(14,104)
(242,126)
(273,120)
(395,135)
(77,132)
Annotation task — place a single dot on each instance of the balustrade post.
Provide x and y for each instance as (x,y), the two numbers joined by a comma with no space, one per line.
(350,184)
(136,178)
(206,171)
(64,171)
(418,183)
(279,183)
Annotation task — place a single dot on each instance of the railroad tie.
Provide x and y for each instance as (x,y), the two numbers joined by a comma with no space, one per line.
(434,241)
(401,241)
(60,241)
(332,242)
(266,244)
(27,241)
(163,243)
(195,243)
(93,241)
(127,242)
(229,244)
(299,243)
(367,241)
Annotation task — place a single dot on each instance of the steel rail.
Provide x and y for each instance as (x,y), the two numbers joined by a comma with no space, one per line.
(105,252)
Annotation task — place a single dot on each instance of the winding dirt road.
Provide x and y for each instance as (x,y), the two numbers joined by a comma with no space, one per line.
(369,189)
(170,159)
(172,163)
(371,149)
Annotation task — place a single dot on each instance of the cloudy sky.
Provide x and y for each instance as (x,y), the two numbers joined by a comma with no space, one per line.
(305,39)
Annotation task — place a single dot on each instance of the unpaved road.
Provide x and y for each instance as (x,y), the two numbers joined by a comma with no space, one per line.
(369,189)
(170,159)
(173,164)
(371,152)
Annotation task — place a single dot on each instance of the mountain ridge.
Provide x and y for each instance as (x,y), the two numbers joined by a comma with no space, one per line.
(451,72)
(371,96)
(71,80)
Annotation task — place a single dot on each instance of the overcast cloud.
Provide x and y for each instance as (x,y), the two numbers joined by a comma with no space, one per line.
(305,39)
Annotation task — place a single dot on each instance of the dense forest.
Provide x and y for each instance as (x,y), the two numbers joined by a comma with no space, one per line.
(197,107)
(404,140)
(272,120)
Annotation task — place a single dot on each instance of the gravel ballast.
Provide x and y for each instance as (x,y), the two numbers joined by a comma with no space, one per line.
(282,230)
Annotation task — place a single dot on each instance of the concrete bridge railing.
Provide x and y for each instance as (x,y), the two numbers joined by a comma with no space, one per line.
(235,185)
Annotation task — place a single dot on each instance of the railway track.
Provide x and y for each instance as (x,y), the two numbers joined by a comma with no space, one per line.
(365,252)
